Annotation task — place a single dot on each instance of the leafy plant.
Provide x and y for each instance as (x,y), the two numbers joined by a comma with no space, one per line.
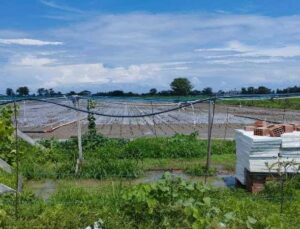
(91,118)
(6,135)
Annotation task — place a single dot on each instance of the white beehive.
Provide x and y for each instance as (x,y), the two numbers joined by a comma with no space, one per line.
(255,152)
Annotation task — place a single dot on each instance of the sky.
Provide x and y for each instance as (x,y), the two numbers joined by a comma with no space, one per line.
(135,45)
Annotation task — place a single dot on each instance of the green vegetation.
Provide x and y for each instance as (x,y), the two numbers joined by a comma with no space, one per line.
(168,203)
(292,103)
(104,190)
(112,157)
(6,135)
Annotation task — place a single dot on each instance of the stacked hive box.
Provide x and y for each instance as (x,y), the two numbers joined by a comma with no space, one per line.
(255,152)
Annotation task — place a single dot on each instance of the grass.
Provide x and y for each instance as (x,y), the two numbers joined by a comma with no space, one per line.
(126,205)
(291,103)
(226,161)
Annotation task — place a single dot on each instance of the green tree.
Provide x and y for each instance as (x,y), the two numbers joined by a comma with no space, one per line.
(181,86)
(85,93)
(263,90)
(152,91)
(41,92)
(207,91)
(10,92)
(23,91)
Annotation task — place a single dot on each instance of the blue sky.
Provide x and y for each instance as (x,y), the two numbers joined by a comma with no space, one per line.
(139,44)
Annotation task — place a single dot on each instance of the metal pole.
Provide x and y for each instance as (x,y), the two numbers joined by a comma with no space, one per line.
(284,109)
(211,112)
(226,124)
(17,162)
(79,133)
(153,119)
(24,111)
(80,154)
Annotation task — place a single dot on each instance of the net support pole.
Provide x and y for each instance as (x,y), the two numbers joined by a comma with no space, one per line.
(226,124)
(211,111)
(18,185)
(79,136)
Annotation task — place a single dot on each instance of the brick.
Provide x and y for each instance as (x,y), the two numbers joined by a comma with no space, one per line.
(288,128)
(276,131)
(256,187)
(260,123)
(249,128)
(295,125)
(254,182)
(261,131)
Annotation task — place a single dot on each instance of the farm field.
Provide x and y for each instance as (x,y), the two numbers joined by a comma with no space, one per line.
(139,181)
(38,118)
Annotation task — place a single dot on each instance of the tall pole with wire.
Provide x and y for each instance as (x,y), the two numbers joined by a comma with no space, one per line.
(80,154)
(226,124)
(17,162)
(211,114)
(153,119)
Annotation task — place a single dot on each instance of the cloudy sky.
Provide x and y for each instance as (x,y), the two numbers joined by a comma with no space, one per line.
(135,45)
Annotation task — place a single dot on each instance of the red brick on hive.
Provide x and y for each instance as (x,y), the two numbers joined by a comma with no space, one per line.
(249,128)
(261,131)
(288,128)
(295,125)
(260,123)
(298,128)
(276,131)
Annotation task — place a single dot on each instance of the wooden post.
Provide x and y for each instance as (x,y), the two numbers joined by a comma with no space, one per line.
(80,154)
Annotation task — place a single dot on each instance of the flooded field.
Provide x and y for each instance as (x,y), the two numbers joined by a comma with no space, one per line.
(42,120)
(45,188)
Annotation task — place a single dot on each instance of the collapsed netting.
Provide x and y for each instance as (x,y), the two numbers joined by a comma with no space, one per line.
(180,106)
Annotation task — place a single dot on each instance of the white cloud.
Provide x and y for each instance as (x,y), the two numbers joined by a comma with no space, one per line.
(32,61)
(151,49)
(243,50)
(57,75)
(55,5)
(30,42)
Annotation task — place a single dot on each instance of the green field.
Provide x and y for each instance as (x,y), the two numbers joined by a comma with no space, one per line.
(291,103)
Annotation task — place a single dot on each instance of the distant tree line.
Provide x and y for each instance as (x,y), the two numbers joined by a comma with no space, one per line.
(178,87)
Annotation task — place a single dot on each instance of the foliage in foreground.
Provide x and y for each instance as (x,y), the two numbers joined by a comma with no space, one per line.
(6,135)
(169,203)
